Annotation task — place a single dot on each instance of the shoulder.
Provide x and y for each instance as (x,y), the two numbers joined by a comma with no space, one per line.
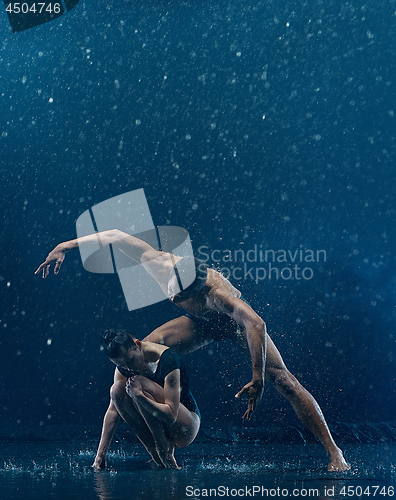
(222,293)
(169,360)
(220,285)
(120,374)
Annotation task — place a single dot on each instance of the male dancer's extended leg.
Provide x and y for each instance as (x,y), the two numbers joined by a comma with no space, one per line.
(303,403)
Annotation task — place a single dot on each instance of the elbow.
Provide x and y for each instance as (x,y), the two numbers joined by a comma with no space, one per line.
(172,418)
(115,233)
(254,323)
(259,325)
(116,236)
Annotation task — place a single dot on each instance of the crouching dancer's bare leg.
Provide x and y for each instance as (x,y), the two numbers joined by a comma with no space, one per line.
(131,415)
(161,433)
(304,404)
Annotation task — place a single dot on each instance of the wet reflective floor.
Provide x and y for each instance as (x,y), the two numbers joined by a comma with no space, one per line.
(63,471)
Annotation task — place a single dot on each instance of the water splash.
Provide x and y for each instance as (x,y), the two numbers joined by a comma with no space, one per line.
(226,464)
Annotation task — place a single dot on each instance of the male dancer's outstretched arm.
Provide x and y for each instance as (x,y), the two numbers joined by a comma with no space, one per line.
(133,247)
(256,337)
(158,264)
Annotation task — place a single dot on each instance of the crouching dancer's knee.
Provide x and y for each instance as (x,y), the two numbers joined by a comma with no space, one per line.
(117,391)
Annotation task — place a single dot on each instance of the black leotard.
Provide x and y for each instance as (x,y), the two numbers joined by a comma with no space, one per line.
(183,270)
(168,362)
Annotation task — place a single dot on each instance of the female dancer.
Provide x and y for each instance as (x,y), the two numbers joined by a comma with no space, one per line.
(150,393)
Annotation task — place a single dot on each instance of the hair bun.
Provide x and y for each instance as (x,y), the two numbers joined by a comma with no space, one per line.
(109,335)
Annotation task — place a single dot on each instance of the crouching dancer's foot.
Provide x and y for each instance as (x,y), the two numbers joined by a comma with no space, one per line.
(155,458)
(337,462)
(167,457)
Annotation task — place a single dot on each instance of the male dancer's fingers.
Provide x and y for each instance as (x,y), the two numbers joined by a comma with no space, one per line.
(46,270)
(40,267)
(45,267)
(57,266)
(251,400)
(253,395)
(239,394)
(249,388)
(242,391)
(248,412)
(246,415)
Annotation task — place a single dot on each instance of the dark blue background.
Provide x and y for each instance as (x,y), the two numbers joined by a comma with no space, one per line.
(170,96)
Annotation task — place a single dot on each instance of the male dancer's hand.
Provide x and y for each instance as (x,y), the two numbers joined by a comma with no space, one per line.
(58,255)
(254,391)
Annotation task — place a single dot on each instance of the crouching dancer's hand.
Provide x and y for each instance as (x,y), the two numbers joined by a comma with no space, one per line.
(99,463)
(254,391)
(133,387)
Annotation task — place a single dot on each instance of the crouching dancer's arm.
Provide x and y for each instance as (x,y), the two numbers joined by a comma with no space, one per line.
(167,410)
(170,422)
(110,422)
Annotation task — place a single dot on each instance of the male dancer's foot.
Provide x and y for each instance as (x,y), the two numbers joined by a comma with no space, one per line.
(337,462)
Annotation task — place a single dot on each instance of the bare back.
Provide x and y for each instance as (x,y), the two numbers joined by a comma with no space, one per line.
(205,303)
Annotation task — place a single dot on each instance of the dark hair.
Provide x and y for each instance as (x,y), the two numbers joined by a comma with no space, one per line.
(116,342)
